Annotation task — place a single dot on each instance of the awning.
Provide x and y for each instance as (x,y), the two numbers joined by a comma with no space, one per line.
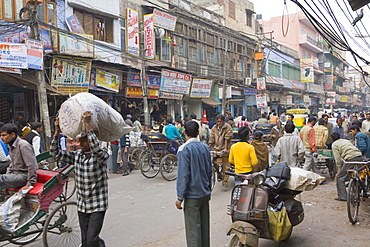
(234,101)
(210,101)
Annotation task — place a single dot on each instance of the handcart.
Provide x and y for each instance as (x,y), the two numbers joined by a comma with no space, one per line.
(325,159)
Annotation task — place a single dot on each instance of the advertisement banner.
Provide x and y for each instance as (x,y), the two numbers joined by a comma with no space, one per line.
(289,99)
(307,70)
(76,44)
(153,79)
(306,99)
(74,25)
(13,55)
(248,91)
(261,101)
(35,55)
(344,98)
(201,88)
(175,82)
(11,70)
(132,32)
(70,77)
(261,83)
(331,98)
(165,95)
(149,36)
(107,80)
(137,92)
(164,20)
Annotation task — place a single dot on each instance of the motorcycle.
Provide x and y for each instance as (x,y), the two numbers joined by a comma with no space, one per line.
(255,203)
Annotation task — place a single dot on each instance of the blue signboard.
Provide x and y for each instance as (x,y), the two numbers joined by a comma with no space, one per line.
(154,80)
(248,91)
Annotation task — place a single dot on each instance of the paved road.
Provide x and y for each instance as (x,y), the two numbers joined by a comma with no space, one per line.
(142,214)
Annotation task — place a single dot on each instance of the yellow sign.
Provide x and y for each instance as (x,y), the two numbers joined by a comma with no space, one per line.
(258,55)
(343,98)
(137,92)
(107,80)
(307,70)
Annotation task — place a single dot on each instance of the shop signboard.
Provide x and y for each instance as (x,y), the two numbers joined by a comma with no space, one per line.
(74,24)
(35,58)
(175,82)
(13,55)
(261,101)
(331,98)
(132,32)
(164,20)
(248,91)
(307,74)
(344,98)
(137,92)
(149,36)
(76,44)
(261,83)
(70,77)
(107,80)
(10,70)
(154,80)
(289,99)
(165,95)
(201,88)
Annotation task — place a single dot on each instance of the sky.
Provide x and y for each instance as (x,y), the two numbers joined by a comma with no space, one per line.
(271,8)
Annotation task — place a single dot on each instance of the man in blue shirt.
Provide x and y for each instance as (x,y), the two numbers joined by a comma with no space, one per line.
(339,128)
(171,131)
(362,140)
(194,183)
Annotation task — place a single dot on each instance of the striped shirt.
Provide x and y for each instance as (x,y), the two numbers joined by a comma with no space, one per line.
(91,174)
(242,123)
(321,135)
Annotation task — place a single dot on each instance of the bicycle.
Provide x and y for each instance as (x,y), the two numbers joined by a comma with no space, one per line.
(358,187)
(218,170)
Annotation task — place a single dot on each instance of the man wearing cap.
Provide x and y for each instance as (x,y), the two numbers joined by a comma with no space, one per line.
(91,179)
(128,120)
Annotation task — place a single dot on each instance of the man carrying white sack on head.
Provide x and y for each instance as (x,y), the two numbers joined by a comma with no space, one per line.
(91,179)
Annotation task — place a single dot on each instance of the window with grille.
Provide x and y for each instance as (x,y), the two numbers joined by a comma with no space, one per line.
(163,49)
(211,55)
(180,48)
(274,69)
(249,17)
(122,22)
(98,26)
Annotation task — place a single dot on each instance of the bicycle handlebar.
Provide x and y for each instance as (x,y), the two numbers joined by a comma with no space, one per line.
(363,163)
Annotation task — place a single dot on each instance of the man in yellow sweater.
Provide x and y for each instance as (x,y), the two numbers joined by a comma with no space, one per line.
(243,155)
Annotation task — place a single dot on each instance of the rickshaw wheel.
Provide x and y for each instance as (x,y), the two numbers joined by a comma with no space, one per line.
(62,227)
(169,167)
(21,240)
(149,165)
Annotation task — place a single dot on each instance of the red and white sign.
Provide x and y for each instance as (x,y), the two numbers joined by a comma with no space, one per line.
(170,96)
(175,82)
(261,101)
(164,20)
(149,36)
(133,32)
(11,70)
(331,98)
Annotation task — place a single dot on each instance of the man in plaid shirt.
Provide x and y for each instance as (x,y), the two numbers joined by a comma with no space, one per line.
(91,180)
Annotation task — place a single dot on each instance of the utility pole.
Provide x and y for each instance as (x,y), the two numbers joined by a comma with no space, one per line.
(41,85)
(144,82)
(224,86)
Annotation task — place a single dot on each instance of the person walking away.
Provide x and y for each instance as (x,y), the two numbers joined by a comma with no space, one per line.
(289,147)
(338,128)
(276,132)
(330,127)
(193,117)
(220,139)
(128,120)
(171,131)
(91,181)
(34,138)
(263,119)
(114,148)
(273,118)
(231,122)
(343,150)
(125,145)
(307,135)
(362,141)
(243,155)
(137,125)
(193,185)
(243,122)
(22,169)
(262,152)
(321,134)
(366,124)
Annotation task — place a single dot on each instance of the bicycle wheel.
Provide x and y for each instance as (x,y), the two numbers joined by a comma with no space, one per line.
(69,188)
(149,165)
(169,167)
(26,238)
(213,178)
(134,156)
(62,227)
(332,168)
(353,200)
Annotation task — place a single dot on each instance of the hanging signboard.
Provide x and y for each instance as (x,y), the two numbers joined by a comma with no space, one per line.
(165,95)
(261,83)
(154,80)
(307,70)
(175,82)
(289,100)
(132,32)
(13,55)
(137,92)
(201,88)
(35,55)
(70,77)
(76,44)
(164,20)
(107,80)
(74,24)
(261,101)
(331,98)
(149,36)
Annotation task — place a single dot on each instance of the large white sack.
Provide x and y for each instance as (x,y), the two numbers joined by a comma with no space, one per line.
(107,123)
(302,180)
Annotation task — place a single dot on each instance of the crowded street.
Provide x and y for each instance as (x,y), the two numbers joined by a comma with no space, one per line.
(142,213)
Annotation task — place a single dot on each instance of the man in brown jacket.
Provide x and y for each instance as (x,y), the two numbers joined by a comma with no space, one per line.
(220,138)
(262,152)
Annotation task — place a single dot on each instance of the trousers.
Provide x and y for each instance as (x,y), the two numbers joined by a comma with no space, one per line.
(309,163)
(197,222)
(13,180)
(91,225)
(343,176)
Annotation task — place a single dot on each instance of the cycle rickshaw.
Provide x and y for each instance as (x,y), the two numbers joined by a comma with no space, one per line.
(159,156)
(60,227)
